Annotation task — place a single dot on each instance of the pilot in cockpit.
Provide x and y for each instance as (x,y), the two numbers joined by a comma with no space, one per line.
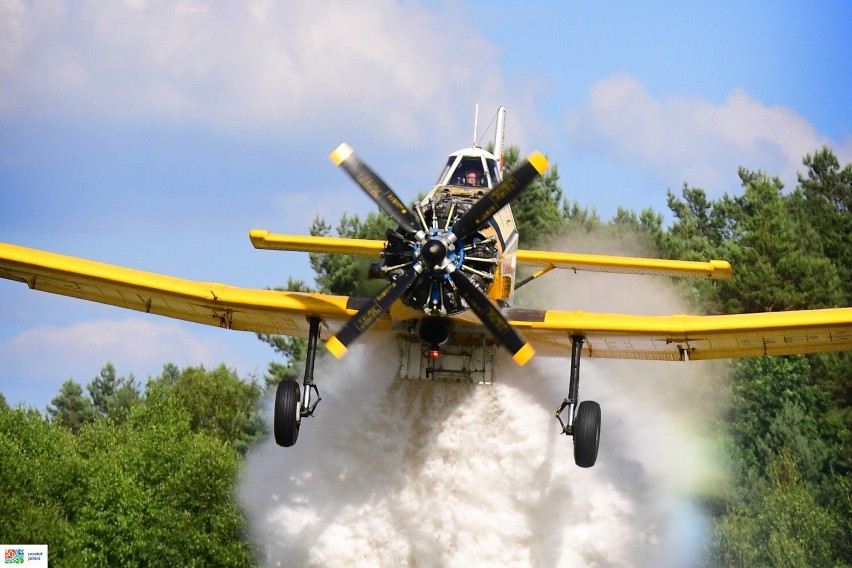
(469,174)
(473,178)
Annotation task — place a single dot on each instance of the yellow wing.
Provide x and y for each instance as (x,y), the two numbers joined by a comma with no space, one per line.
(719,269)
(267,311)
(682,337)
(263,239)
(261,311)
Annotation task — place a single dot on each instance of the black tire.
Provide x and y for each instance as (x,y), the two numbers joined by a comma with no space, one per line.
(288,396)
(587,433)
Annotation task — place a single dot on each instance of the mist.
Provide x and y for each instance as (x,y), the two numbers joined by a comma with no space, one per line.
(394,472)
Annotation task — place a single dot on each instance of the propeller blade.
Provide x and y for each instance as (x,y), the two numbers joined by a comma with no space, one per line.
(374,186)
(492,319)
(369,314)
(505,191)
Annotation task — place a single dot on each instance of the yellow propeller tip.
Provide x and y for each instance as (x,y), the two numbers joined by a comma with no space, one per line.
(340,153)
(336,347)
(539,162)
(524,354)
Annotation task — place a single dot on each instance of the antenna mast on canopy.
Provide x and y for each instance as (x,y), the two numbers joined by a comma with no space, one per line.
(500,136)
(475,121)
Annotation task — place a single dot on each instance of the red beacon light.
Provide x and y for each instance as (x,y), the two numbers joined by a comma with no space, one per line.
(434,352)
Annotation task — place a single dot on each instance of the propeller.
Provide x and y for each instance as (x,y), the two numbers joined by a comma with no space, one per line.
(367,315)
(435,253)
(374,187)
(492,319)
(504,192)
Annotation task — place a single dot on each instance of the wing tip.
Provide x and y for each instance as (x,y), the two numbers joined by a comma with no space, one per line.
(258,237)
(336,347)
(721,269)
(523,354)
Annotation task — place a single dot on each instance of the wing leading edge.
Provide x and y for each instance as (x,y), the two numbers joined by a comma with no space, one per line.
(263,239)
(261,311)
(675,337)
(682,337)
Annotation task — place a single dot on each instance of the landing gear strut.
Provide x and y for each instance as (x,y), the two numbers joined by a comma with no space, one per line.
(583,420)
(291,405)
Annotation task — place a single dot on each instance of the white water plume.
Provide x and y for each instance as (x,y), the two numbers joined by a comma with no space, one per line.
(395,473)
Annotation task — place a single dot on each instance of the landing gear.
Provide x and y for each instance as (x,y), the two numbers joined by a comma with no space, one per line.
(583,421)
(587,433)
(288,415)
(291,405)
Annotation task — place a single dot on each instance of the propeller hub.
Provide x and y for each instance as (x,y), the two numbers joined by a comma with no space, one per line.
(434,252)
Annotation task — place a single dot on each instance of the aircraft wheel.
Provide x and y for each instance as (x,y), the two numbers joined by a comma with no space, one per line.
(587,433)
(288,399)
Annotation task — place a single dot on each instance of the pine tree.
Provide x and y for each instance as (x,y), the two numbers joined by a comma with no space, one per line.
(70,408)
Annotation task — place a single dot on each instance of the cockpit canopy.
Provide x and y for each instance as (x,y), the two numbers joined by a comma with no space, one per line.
(470,167)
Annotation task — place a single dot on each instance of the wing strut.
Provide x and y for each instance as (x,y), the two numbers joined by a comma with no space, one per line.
(541,272)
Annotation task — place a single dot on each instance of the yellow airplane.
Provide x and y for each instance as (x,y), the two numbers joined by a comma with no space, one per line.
(453,253)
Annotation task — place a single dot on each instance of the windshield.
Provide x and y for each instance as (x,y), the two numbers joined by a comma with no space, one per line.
(469,173)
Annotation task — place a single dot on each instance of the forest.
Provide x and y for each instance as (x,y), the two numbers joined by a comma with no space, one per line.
(125,473)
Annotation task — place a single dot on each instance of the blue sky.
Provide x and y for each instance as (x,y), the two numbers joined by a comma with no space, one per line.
(156,134)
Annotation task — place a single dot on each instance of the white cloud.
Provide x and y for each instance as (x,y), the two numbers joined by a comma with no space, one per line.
(382,65)
(135,345)
(679,139)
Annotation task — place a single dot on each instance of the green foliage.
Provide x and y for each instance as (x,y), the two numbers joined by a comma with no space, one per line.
(779,264)
(43,479)
(578,218)
(218,403)
(293,350)
(788,506)
(789,417)
(538,210)
(113,396)
(109,396)
(823,201)
(782,525)
(151,486)
(343,274)
(70,408)
(773,408)
(159,492)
